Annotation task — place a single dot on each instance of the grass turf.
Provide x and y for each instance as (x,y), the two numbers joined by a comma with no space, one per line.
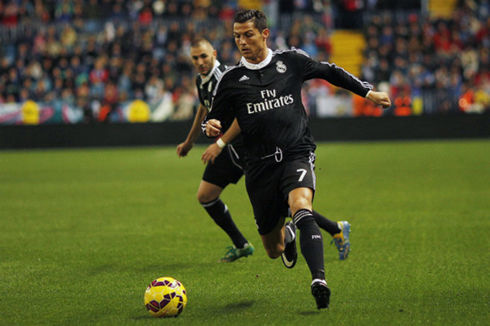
(83,232)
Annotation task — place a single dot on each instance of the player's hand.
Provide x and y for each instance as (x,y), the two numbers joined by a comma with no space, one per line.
(380,98)
(211,153)
(184,148)
(213,128)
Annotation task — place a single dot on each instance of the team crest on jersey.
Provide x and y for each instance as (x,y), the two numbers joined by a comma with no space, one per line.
(281,67)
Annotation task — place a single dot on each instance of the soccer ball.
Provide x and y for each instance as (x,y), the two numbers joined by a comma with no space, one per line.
(165,297)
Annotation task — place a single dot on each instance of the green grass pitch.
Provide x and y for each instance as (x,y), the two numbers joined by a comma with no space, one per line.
(83,232)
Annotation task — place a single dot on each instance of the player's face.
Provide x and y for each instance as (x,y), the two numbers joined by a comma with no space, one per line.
(203,58)
(251,43)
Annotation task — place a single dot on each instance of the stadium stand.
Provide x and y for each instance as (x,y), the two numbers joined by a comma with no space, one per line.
(76,61)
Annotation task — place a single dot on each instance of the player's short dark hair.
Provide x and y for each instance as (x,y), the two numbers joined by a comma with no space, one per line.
(258,17)
(197,42)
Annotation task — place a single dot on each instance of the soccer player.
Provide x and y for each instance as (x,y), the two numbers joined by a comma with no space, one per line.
(263,94)
(338,230)
(228,168)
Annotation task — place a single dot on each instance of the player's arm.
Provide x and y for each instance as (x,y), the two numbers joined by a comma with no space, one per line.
(184,148)
(341,78)
(213,150)
(220,109)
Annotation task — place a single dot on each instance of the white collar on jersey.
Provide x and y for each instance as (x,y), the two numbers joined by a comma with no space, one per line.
(205,79)
(260,65)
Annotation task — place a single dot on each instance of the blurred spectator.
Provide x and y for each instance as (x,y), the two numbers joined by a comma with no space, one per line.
(64,11)
(98,76)
(154,89)
(10,14)
(403,103)
(92,10)
(145,15)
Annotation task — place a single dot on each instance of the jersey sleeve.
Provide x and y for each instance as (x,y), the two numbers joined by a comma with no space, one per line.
(198,84)
(221,103)
(332,73)
(220,107)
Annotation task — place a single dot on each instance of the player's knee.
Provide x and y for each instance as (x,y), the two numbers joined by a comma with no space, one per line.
(300,203)
(204,197)
(300,198)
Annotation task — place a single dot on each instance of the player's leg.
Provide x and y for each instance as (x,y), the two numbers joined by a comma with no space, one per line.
(208,195)
(274,240)
(311,242)
(216,178)
(324,223)
(298,182)
(280,240)
(269,207)
(338,230)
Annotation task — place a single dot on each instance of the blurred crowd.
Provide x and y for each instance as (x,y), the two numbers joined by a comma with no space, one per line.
(98,53)
(443,63)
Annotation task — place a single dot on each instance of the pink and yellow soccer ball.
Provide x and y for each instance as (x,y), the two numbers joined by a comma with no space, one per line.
(165,297)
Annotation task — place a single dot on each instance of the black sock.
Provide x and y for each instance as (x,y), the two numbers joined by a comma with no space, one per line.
(220,214)
(326,224)
(311,242)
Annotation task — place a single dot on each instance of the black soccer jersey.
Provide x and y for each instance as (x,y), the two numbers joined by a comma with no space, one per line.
(206,84)
(266,100)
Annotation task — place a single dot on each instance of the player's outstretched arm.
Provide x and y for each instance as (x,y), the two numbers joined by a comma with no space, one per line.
(379,98)
(184,148)
(213,150)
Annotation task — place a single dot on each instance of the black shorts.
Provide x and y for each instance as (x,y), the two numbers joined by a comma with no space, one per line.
(226,169)
(268,190)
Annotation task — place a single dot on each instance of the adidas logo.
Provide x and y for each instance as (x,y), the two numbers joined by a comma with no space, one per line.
(244,77)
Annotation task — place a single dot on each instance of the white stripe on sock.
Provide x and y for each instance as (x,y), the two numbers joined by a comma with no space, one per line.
(316,280)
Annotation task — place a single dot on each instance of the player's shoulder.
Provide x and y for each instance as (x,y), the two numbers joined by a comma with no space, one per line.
(218,72)
(198,79)
(229,73)
(227,80)
(290,53)
(222,67)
